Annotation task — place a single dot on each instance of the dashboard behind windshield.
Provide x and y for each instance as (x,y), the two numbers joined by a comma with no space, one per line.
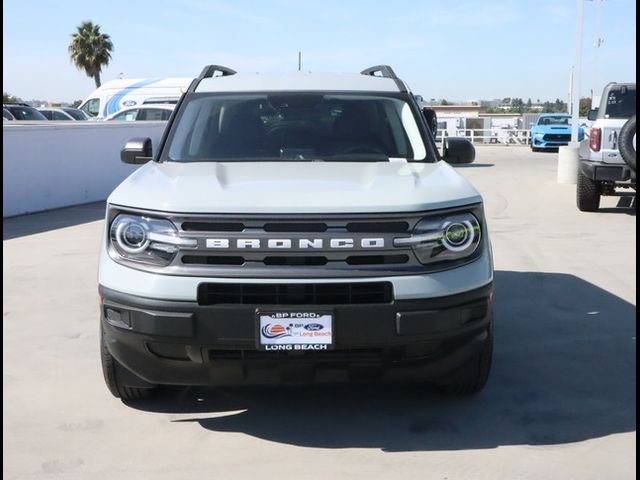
(307,126)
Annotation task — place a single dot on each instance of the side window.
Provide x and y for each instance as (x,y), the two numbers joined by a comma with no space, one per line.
(92,107)
(58,116)
(128,116)
(153,114)
(47,114)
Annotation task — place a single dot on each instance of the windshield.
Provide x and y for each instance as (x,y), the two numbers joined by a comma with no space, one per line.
(294,127)
(76,114)
(26,113)
(554,120)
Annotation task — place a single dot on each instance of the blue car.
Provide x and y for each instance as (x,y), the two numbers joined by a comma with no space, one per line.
(552,131)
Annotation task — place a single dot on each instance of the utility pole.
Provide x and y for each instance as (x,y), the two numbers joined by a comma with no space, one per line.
(575,87)
(597,44)
(299,61)
(569,155)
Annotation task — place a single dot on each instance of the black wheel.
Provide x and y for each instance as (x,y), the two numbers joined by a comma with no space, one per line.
(472,376)
(115,376)
(627,150)
(534,149)
(587,194)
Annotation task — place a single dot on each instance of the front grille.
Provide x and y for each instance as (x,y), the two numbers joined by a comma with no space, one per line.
(305,249)
(295,293)
(295,260)
(557,137)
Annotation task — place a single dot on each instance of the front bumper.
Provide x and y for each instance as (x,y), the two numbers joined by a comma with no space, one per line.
(540,143)
(184,343)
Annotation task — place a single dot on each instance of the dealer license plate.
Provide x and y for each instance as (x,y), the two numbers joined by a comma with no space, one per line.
(294,330)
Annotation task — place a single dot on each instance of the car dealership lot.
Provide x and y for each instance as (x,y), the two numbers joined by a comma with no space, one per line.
(560,402)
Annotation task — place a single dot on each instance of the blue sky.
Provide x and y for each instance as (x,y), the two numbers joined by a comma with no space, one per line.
(458,50)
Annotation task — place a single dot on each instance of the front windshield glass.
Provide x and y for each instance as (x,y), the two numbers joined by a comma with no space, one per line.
(294,127)
(554,121)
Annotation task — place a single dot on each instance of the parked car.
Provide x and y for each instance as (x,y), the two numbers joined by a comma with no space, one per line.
(64,113)
(603,169)
(7,116)
(143,113)
(552,130)
(23,112)
(296,228)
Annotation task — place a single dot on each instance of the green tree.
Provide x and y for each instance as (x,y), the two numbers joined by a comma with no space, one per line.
(444,102)
(90,50)
(76,103)
(529,105)
(8,98)
(585,106)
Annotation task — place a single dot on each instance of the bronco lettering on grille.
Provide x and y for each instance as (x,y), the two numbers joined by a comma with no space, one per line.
(287,243)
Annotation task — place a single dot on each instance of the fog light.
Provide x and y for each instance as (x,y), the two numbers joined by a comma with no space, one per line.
(117,319)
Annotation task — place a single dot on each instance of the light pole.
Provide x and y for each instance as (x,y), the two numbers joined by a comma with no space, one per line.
(569,156)
(597,43)
(575,87)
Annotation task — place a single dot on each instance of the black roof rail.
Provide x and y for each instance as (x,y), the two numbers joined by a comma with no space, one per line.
(208,72)
(384,70)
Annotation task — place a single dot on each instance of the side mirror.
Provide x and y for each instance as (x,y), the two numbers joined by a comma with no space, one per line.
(593,114)
(458,150)
(136,151)
(431,119)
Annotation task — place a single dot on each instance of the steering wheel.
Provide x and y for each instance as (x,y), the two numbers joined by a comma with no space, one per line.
(354,149)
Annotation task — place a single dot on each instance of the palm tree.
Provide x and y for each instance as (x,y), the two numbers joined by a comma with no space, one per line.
(90,50)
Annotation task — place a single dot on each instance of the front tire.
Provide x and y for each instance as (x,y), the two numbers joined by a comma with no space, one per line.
(472,376)
(114,376)
(587,194)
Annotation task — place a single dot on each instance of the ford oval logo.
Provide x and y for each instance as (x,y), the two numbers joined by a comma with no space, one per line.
(314,327)
(129,103)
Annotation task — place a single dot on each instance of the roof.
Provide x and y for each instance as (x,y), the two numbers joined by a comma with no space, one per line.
(303,81)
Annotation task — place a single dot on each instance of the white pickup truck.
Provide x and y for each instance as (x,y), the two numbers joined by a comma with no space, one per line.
(299,227)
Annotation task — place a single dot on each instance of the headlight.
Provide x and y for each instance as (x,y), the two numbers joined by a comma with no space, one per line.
(438,239)
(147,240)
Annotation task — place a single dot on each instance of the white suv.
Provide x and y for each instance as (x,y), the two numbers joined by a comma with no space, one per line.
(604,169)
(296,227)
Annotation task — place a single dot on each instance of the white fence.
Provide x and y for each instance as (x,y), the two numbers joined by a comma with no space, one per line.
(58,164)
(496,136)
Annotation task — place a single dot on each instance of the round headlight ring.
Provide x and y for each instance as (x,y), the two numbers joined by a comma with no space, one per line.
(132,236)
(457,236)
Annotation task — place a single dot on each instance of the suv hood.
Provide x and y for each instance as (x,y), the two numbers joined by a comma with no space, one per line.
(294,187)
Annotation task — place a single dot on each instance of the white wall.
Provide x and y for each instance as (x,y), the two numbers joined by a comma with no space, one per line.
(57,164)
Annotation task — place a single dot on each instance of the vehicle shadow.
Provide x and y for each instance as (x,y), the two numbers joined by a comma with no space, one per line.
(564,371)
(23,225)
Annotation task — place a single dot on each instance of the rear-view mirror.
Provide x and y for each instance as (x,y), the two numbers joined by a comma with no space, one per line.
(457,150)
(593,114)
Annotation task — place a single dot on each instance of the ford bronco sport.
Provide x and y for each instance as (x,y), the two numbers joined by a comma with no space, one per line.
(297,227)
